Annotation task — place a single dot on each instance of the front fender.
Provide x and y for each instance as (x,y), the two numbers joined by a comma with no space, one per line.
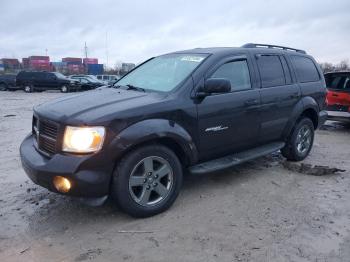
(302,105)
(151,129)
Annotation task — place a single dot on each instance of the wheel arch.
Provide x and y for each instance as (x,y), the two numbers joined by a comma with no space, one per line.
(307,107)
(160,131)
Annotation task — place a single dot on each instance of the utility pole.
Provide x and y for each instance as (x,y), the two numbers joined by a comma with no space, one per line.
(46,51)
(86,50)
(106,49)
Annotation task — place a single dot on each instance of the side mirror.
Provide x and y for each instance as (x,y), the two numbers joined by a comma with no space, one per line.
(215,86)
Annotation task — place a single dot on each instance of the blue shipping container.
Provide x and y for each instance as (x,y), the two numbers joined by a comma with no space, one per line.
(73,63)
(59,64)
(95,69)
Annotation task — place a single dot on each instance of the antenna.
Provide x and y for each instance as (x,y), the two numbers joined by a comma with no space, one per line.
(86,50)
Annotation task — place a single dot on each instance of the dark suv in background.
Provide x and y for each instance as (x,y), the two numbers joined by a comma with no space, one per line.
(202,110)
(8,82)
(40,81)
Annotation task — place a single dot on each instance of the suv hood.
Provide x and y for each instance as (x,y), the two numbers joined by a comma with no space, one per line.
(96,107)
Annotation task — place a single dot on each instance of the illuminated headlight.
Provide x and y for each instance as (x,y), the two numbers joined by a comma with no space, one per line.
(83,139)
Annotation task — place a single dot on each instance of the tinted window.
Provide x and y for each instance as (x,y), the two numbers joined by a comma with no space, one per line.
(338,82)
(50,76)
(305,69)
(271,70)
(237,72)
(40,75)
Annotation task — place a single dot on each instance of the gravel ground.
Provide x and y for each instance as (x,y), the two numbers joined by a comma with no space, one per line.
(259,211)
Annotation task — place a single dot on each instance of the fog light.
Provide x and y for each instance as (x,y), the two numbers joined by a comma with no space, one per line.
(62,184)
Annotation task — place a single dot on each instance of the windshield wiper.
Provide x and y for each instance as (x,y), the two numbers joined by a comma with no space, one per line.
(131,87)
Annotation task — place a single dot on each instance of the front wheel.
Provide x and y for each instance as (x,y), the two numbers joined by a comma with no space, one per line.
(147,181)
(64,89)
(300,142)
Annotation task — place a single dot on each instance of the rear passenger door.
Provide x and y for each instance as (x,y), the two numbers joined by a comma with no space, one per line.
(279,95)
(229,122)
(39,79)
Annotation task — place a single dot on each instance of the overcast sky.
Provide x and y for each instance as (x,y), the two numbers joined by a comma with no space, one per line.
(137,30)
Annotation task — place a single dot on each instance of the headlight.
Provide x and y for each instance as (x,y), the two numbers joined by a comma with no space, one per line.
(83,139)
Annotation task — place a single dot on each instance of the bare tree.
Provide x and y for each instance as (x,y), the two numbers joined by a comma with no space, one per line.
(329,67)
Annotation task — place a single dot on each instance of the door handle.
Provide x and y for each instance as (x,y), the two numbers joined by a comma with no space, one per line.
(251,102)
(295,95)
(335,95)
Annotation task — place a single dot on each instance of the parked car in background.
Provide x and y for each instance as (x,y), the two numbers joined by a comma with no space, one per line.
(199,110)
(8,82)
(87,82)
(40,81)
(338,96)
(108,79)
(91,77)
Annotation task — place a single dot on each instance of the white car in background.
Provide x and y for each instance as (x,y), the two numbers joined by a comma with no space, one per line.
(108,79)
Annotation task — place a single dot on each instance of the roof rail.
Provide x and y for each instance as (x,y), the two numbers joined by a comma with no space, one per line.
(251,45)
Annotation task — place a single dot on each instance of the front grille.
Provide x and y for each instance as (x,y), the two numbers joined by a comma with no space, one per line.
(45,133)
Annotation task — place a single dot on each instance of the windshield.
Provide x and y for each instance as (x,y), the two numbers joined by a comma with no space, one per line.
(162,73)
(59,75)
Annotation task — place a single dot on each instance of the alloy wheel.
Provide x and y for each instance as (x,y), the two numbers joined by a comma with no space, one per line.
(151,181)
(304,139)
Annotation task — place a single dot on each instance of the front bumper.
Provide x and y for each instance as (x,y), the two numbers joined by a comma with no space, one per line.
(89,175)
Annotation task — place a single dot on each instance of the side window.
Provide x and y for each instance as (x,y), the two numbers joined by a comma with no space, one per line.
(271,70)
(305,69)
(347,84)
(50,76)
(237,72)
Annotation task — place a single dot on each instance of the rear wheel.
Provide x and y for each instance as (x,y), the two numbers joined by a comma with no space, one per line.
(300,142)
(3,87)
(28,88)
(147,181)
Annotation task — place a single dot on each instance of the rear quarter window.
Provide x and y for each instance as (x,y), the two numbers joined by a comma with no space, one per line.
(305,69)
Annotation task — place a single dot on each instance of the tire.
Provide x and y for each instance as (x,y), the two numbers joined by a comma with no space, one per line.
(299,143)
(3,87)
(136,182)
(64,89)
(28,88)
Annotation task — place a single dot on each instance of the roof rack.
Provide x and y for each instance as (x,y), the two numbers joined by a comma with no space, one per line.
(251,45)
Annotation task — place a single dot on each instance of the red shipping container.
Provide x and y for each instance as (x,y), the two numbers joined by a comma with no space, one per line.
(10,61)
(39,57)
(39,62)
(25,62)
(72,59)
(76,69)
(90,61)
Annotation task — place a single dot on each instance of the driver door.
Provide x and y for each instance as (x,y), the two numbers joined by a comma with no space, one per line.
(229,122)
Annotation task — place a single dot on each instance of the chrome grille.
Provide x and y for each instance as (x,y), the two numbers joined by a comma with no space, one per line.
(45,133)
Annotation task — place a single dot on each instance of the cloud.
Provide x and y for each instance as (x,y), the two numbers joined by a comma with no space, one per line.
(137,30)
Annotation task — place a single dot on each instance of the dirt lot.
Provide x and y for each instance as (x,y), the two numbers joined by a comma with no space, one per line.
(260,211)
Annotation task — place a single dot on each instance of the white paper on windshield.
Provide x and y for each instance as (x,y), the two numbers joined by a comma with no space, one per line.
(196,59)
